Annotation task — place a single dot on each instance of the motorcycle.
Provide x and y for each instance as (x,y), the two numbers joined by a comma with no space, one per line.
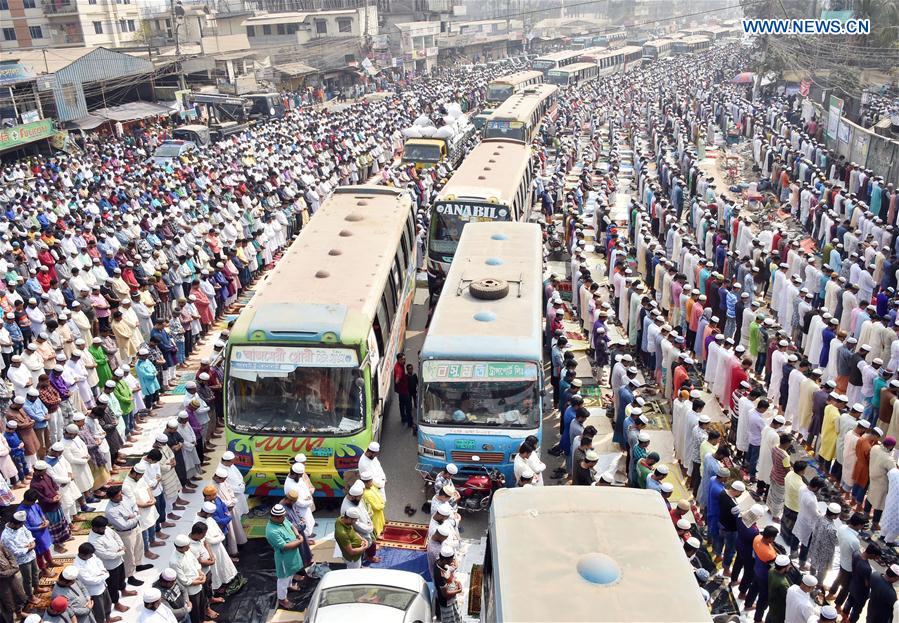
(555,245)
(475,489)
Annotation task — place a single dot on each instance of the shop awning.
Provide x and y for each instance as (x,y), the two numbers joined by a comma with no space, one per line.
(86,123)
(133,111)
(295,69)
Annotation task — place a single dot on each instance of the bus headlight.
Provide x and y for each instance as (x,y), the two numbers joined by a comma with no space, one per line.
(431,452)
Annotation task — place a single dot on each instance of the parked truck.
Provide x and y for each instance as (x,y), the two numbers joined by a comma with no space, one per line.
(426,145)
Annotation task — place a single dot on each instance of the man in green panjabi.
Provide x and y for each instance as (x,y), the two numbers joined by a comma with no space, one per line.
(99,356)
(285,540)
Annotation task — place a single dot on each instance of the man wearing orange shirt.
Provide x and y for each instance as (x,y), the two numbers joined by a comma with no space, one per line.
(862,461)
(763,555)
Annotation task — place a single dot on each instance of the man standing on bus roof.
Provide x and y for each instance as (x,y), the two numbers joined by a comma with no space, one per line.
(369,462)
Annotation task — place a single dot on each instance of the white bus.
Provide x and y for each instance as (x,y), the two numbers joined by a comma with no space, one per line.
(502,88)
(520,116)
(554,60)
(604,554)
(492,184)
(573,75)
(482,359)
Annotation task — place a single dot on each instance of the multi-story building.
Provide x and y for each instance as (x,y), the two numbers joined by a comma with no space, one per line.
(411,46)
(57,23)
(23,25)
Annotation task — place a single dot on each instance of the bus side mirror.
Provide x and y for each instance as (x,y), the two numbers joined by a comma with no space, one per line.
(543,392)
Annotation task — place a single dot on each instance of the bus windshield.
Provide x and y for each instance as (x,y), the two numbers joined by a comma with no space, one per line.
(450,217)
(543,65)
(510,130)
(480,394)
(560,78)
(481,403)
(418,152)
(499,92)
(282,398)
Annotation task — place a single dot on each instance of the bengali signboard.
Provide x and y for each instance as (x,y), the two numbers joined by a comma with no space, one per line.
(287,359)
(457,371)
(26,133)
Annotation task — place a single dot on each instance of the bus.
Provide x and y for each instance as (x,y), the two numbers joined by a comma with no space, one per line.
(481,362)
(594,543)
(575,74)
(617,60)
(502,88)
(657,49)
(579,43)
(554,60)
(309,362)
(493,183)
(689,44)
(520,116)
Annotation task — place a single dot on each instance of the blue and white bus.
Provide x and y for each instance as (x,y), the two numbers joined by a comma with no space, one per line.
(482,359)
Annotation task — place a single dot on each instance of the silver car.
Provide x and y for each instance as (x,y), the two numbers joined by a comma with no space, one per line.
(171,150)
(370,595)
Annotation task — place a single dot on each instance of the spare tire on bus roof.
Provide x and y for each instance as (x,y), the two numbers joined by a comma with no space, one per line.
(489,289)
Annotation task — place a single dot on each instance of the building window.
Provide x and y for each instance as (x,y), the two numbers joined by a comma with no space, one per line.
(98,28)
(321,27)
(122,26)
(131,25)
(92,1)
(29,4)
(4,6)
(36,32)
(251,31)
(344,24)
(266,29)
(9,34)
(281,30)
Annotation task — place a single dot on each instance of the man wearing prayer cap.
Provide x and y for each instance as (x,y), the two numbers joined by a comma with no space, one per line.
(173,595)
(369,462)
(70,587)
(363,525)
(191,577)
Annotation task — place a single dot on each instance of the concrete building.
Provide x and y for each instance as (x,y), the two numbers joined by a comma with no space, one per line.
(480,40)
(23,25)
(300,28)
(412,46)
(110,23)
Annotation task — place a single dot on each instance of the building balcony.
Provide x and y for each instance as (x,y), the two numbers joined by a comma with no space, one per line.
(53,8)
(68,36)
(439,6)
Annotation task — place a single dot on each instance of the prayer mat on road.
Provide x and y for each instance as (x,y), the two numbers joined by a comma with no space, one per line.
(404,535)
(181,388)
(255,526)
(81,523)
(402,559)
(474,591)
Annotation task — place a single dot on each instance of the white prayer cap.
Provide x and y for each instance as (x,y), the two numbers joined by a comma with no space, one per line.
(20,516)
(780,419)
(300,458)
(152,595)
(859,407)
(445,529)
(662,469)
(667,487)
(72,429)
(829,613)
(162,438)
(366,475)
(298,468)
(228,456)
(444,509)
(221,472)
(782,560)
(447,550)
(358,488)
(693,542)
(140,467)
(71,572)
(374,446)
(704,419)
(182,540)
(452,469)
(834,508)
(168,574)
(57,447)
(352,512)
(208,507)
(643,437)
(809,580)
(41,466)
(683,524)
(78,417)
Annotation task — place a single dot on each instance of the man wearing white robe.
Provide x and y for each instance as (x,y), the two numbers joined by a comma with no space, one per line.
(76,453)
(744,406)
(74,373)
(679,411)
(236,482)
(226,495)
(223,570)
(778,359)
(793,383)
(815,339)
(304,496)
(727,360)
(713,366)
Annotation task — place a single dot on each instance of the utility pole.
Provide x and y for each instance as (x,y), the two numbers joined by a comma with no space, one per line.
(176,23)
